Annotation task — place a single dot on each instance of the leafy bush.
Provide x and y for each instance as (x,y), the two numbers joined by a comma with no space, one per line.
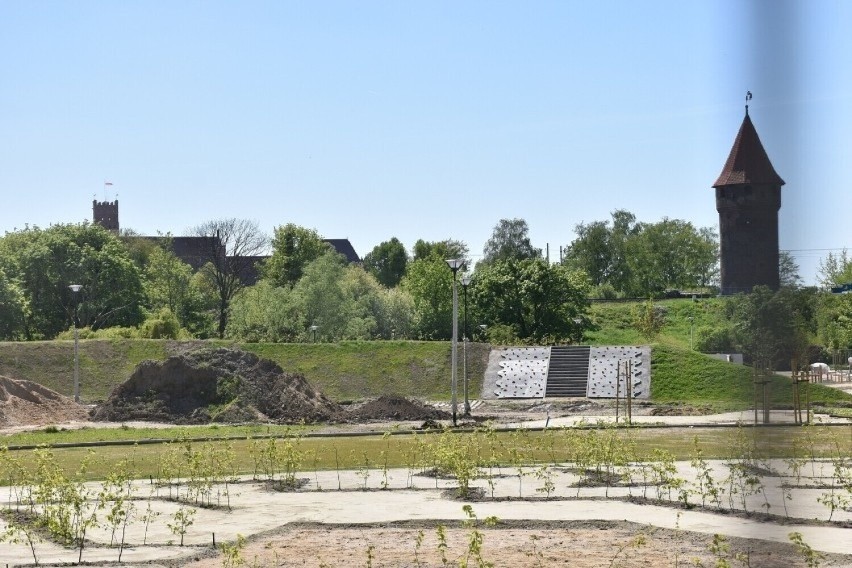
(715,340)
(162,325)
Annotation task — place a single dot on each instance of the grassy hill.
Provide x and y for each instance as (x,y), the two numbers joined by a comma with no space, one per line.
(343,371)
(352,370)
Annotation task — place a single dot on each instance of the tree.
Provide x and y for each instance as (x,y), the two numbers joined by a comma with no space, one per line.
(771,327)
(230,249)
(649,319)
(592,252)
(444,250)
(670,254)
(541,302)
(336,298)
(788,270)
(169,284)
(600,250)
(387,262)
(429,282)
(395,315)
(509,241)
(264,312)
(835,270)
(293,248)
(11,309)
(44,262)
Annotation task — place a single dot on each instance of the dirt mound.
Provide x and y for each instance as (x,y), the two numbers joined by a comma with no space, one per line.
(395,408)
(25,403)
(216,385)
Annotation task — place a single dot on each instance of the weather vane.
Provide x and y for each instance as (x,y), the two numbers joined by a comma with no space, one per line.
(748,98)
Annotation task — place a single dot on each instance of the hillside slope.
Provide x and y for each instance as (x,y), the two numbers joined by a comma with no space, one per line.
(355,370)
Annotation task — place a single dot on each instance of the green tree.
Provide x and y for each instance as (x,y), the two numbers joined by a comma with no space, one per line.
(429,282)
(43,262)
(443,250)
(395,315)
(671,254)
(139,247)
(11,309)
(788,270)
(540,301)
(169,284)
(600,250)
(509,241)
(835,270)
(771,328)
(293,248)
(834,320)
(320,299)
(649,320)
(264,312)
(387,262)
(231,247)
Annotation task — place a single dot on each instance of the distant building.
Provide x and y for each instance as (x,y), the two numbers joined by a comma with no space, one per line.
(196,251)
(748,197)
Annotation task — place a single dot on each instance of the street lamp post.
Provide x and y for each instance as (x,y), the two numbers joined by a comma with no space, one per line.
(75,288)
(455,264)
(691,323)
(465,281)
(314,331)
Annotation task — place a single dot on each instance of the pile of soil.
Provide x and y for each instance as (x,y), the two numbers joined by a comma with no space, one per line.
(395,408)
(25,403)
(216,385)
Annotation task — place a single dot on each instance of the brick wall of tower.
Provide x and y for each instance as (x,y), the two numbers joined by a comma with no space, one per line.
(105,214)
(748,236)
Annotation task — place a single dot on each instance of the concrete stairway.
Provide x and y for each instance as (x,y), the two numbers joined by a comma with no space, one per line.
(568,373)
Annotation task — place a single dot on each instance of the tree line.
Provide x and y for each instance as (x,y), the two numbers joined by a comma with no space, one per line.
(135,286)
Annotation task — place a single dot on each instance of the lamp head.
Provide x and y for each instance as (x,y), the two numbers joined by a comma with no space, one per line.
(465,280)
(75,287)
(455,264)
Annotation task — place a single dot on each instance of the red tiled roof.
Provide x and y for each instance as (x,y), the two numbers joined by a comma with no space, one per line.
(748,162)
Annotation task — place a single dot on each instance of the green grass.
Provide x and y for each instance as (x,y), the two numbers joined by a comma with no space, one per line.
(352,370)
(52,435)
(104,363)
(680,375)
(397,451)
(343,371)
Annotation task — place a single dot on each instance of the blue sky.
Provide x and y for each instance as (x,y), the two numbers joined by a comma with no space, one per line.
(434,120)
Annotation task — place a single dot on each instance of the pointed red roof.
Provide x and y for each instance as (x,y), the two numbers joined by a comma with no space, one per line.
(748,162)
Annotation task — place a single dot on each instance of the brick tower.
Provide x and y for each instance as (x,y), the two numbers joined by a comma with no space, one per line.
(748,197)
(105,214)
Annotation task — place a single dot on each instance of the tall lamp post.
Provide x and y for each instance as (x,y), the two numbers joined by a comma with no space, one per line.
(314,330)
(75,288)
(691,325)
(465,282)
(455,264)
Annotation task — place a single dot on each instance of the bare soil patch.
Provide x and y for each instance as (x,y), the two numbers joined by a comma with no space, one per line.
(27,403)
(520,544)
(216,385)
(394,408)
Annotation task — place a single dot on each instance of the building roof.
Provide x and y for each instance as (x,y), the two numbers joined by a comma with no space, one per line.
(344,247)
(748,162)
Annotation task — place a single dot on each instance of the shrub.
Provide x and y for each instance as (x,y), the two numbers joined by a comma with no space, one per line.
(714,340)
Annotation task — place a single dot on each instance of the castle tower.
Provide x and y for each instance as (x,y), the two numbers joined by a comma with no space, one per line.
(748,197)
(105,214)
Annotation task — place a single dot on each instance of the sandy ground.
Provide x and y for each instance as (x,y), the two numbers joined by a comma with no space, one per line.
(575,544)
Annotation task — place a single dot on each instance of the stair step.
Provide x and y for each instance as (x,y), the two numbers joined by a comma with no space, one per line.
(568,372)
